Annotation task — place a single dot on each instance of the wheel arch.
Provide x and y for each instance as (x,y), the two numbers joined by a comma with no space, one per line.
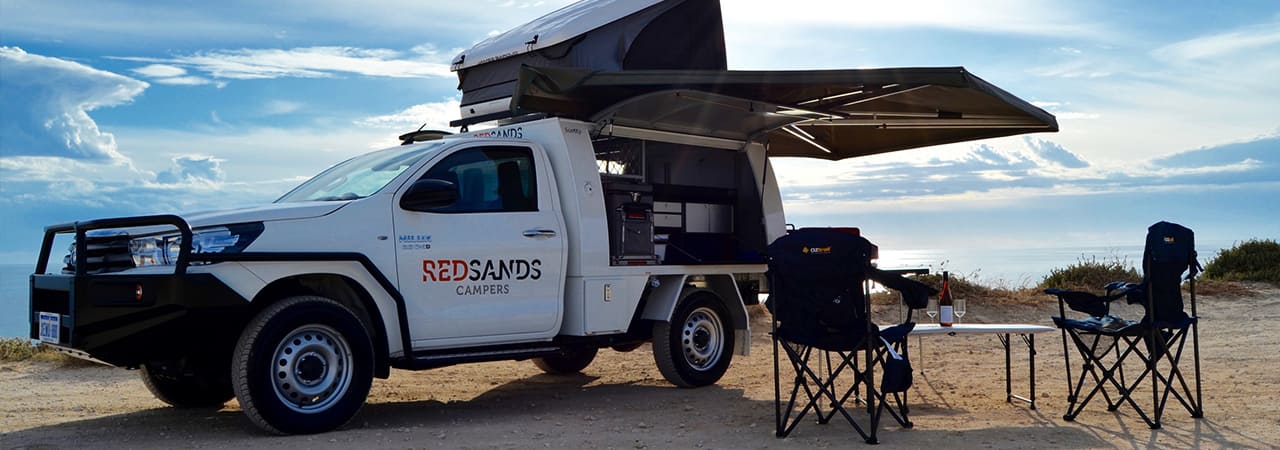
(673,289)
(342,289)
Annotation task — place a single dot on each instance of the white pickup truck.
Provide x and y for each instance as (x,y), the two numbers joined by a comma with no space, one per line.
(605,210)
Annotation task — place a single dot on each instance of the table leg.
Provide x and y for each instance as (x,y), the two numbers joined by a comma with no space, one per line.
(1030,341)
(1031,347)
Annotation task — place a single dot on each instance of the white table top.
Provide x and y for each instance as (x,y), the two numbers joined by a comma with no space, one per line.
(974,328)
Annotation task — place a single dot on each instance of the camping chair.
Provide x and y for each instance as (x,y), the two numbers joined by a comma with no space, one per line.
(1105,342)
(821,314)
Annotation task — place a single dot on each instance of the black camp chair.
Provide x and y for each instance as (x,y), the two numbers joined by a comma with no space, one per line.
(821,314)
(1157,342)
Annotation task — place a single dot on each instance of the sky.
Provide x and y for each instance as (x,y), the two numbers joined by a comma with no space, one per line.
(1168,110)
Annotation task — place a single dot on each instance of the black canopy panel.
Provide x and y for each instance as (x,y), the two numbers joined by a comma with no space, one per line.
(598,35)
(828,114)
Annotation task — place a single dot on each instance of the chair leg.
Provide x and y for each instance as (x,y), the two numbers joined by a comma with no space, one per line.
(1183,395)
(1106,374)
(814,393)
(1195,349)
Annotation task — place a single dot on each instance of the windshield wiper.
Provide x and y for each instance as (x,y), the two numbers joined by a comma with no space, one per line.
(334,198)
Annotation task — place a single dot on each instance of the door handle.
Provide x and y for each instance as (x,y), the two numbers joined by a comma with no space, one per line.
(539,232)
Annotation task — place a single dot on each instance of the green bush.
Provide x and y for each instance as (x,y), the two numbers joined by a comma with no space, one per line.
(1090,274)
(1251,260)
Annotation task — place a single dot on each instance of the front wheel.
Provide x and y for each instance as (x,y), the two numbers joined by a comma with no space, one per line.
(695,347)
(303,365)
(189,383)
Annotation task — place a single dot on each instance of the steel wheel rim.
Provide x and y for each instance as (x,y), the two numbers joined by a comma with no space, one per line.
(702,339)
(312,368)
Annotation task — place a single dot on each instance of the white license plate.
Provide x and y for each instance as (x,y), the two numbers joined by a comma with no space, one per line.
(50,327)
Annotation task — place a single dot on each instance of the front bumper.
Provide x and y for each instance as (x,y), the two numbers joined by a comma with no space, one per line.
(126,320)
(130,317)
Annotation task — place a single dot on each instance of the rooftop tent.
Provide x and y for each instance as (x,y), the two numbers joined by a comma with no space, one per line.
(600,35)
(828,114)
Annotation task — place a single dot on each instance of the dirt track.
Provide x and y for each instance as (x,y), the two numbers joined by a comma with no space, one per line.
(622,402)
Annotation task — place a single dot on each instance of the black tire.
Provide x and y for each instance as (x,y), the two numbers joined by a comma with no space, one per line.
(327,357)
(181,384)
(694,349)
(568,361)
(628,347)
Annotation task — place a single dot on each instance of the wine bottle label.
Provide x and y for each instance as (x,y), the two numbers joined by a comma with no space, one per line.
(944,315)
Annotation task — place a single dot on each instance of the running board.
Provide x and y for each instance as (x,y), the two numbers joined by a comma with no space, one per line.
(436,359)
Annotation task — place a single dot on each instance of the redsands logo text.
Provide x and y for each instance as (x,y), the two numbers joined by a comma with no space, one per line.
(480,277)
(447,270)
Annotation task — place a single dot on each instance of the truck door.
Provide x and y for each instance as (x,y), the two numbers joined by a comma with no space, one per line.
(488,268)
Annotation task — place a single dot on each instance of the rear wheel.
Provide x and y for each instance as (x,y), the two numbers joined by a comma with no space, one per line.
(189,383)
(569,360)
(695,347)
(303,365)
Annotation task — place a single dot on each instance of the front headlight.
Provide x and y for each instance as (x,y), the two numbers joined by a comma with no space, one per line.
(164,250)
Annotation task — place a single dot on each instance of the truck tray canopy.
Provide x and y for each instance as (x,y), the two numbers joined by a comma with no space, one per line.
(828,114)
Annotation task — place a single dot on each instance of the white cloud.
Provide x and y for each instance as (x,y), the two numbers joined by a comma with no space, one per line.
(306,62)
(172,75)
(279,107)
(1072,115)
(1004,172)
(47,103)
(435,115)
(160,71)
(1039,18)
(193,169)
(276,156)
(1229,43)
(1076,68)
(187,81)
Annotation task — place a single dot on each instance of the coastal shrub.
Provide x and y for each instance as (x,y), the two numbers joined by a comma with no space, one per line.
(16,349)
(1251,260)
(970,288)
(20,349)
(1090,274)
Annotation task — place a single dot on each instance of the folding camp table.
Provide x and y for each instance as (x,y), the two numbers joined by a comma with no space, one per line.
(1004,331)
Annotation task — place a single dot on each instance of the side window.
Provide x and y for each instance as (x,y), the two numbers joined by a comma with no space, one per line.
(490,179)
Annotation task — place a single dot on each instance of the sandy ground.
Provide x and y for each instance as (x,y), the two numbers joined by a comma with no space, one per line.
(622,401)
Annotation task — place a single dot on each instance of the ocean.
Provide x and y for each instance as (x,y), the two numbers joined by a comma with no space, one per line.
(996,267)
(14,299)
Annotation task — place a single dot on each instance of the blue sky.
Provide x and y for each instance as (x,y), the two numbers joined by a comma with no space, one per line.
(1168,110)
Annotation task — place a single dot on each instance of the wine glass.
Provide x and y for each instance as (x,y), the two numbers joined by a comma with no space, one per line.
(959,308)
(932,309)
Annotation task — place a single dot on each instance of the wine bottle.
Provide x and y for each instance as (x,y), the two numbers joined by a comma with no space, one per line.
(945,308)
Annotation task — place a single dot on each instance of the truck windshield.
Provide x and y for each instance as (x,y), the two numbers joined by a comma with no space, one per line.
(361,176)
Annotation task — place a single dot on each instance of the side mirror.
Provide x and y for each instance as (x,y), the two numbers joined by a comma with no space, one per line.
(428,195)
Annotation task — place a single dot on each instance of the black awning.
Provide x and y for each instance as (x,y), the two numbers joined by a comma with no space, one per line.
(828,114)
